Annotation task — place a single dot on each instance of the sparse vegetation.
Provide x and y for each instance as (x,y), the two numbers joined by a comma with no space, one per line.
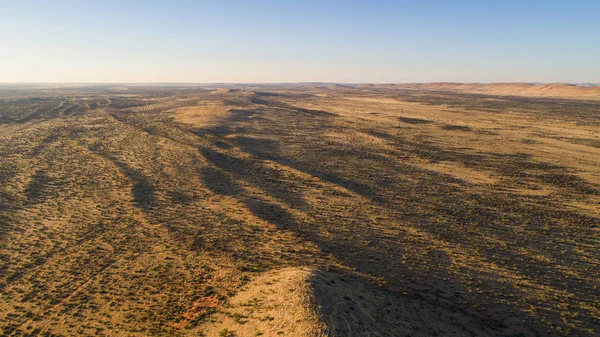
(151,212)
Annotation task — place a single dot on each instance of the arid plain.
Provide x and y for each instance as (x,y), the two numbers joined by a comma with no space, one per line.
(298,210)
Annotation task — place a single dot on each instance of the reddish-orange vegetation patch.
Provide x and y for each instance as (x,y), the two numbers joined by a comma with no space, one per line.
(198,308)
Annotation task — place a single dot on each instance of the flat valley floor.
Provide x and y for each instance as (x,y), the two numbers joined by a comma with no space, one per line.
(297,210)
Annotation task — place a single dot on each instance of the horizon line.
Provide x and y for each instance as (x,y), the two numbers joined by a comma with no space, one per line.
(299,82)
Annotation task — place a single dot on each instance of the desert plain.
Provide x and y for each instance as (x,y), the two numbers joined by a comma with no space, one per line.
(299,210)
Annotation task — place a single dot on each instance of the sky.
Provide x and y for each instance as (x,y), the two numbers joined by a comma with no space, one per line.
(300,41)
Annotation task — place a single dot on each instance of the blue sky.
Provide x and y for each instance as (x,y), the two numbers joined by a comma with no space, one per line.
(296,41)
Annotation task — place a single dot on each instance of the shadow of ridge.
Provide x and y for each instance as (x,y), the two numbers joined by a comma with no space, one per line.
(142,190)
(218,182)
(567,108)
(269,180)
(37,189)
(314,112)
(233,124)
(436,188)
(270,212)
(343,251)
(350,306)
(410,120)
(269,149)
(292,108)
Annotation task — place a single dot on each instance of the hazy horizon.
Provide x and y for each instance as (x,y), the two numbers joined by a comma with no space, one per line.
(278,83)
(273,42)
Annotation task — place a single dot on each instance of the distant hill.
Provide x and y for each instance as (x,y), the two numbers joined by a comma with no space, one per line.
(587,91)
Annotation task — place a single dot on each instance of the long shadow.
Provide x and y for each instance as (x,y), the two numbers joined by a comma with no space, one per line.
(351,307)
(269,150)
(351,252)
(219,182)
(233,124)
(297,110)
(40,109)
(36,190)
(8,204)
(143,190)
(144,193)
(585,111)
(271,213)
(267,179)
(492,210)
(447,208)
(519,165)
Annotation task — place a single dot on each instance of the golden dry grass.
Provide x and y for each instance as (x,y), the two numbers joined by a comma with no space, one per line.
(278,302)
(346,211)
(512,89)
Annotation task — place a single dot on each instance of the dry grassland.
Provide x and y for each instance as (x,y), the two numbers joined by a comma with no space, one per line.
(309,210)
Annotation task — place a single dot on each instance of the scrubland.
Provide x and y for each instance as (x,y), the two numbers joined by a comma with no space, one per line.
(297,210)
